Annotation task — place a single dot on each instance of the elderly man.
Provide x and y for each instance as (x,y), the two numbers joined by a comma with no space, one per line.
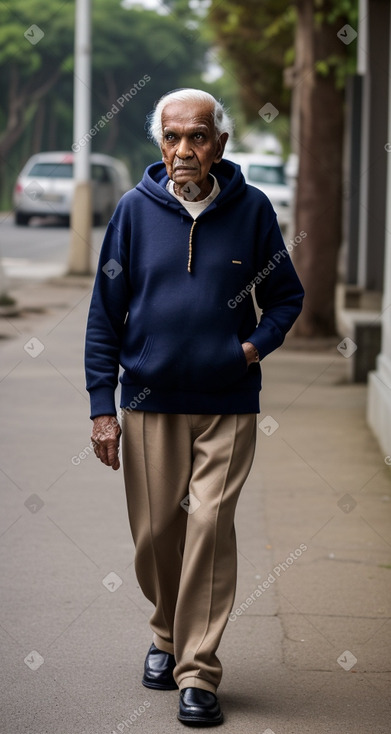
(172,306)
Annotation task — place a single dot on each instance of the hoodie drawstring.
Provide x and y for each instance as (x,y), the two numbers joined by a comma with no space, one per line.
(191,246)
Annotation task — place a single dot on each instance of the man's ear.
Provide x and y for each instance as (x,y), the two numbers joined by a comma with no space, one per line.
(221,143)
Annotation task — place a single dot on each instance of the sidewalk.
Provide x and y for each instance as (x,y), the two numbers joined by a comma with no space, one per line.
(307,648)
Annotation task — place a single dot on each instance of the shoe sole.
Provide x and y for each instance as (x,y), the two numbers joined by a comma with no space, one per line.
(193,721)
(160,686)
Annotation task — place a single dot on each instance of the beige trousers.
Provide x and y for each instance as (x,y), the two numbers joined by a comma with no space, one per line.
(183,476)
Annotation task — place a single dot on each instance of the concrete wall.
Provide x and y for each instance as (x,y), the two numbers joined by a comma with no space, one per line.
(379,393)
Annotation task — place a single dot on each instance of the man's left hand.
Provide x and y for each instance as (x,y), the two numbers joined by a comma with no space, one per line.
(250,352)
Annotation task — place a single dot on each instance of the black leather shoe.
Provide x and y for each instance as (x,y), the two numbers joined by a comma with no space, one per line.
(199,708)
(158,670)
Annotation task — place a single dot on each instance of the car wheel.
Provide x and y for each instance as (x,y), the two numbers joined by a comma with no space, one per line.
(21,219)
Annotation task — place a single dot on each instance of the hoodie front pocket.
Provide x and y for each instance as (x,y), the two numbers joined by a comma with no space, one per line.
(144,354)
(197,365)
(157,365)
(228,365)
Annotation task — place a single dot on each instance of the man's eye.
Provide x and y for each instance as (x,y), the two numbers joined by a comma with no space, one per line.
(169,137)
(199,136)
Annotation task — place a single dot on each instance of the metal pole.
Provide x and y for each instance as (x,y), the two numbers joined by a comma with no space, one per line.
(80,250)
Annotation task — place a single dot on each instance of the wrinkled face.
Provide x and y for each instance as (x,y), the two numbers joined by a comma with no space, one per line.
(190,144)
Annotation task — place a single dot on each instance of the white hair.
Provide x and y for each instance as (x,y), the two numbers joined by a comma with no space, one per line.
(222,121)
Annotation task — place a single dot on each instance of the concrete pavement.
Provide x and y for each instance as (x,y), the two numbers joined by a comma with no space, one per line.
(307,647)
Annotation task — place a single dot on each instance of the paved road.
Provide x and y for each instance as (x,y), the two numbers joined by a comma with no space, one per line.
(39,250)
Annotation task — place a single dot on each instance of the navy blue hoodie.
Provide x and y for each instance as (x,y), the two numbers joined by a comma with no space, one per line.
(172,299)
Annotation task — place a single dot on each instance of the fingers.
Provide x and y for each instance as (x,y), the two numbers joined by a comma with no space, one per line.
(107,452)
(110,453)
(105,437)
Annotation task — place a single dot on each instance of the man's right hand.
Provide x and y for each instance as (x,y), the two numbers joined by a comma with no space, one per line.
(105,437)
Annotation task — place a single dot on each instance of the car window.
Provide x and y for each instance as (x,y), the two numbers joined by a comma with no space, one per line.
(51,170)
(266,174)
(99,173)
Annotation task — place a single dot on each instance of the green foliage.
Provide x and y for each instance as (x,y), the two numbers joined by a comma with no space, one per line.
(337,13)
(17,17)
(127,45)
(258,38)
(347,9)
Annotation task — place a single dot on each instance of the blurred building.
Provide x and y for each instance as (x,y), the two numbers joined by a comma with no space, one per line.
(365,305)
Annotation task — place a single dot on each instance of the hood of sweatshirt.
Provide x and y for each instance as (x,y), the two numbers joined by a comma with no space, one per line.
(228,174)
(230,179)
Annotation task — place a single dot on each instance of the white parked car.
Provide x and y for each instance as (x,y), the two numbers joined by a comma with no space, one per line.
(267,173)
(45,186)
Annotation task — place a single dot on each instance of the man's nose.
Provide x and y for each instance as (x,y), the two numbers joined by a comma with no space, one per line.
(184,149)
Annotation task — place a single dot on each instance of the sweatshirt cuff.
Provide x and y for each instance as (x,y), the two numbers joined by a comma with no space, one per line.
(265,343)
(102,402)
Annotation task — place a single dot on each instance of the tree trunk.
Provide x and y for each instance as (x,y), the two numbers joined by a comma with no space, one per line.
(22,101)
(319,187)
(51,136)
(39,127)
